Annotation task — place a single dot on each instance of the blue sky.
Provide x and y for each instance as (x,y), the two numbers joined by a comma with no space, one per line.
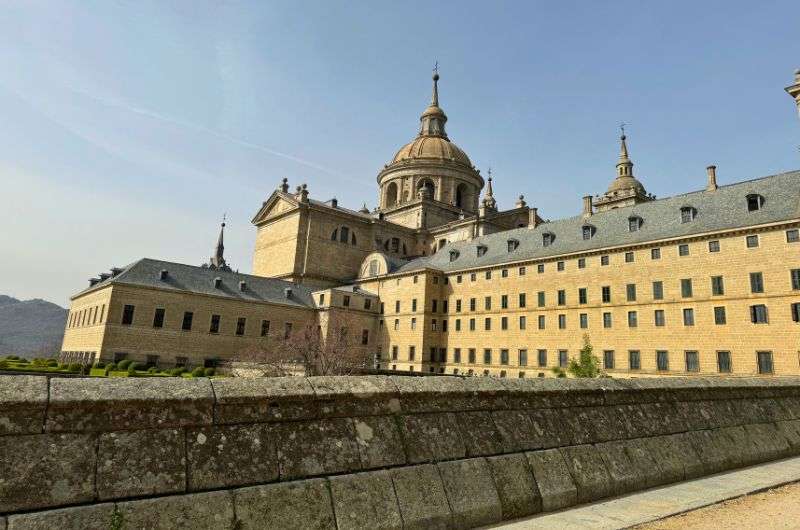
(128,128)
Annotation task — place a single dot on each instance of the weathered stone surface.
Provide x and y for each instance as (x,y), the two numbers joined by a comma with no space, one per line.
(123,403)
(553,479)
(578,427)
(486,393)
(713,454)
(516,430)
(624,474)
(300,505)
(790,430)
(95,517)
(431,394)
(365,500)
(355,396)
(379,442)
(421,497)
(682,448)
(43,470)
(431,437)
(23,400)
(519,495)
(231,455)
(197,511)
(549,425)
(655,468)
(134,463)
(696,414)
(664,451)
(245,400)
(768,439)
(588,472)
(317,447)
(470,492)
(479,433)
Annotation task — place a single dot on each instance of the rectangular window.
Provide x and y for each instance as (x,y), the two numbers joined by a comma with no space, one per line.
(608,359)
(472,304)
(458,324)
(487,303)
(713,246)
(522,322)
(758,314)
(662,360)
(397,306)
(655,253)
(186,325)
(563,358)
(488,275)
(457,355)
(683,250)
(756,282)
(127,315)
(633,320)
(719,316)
(394,353)
(634,360)
(606,320)
(346,301)
(541,321)
(472,276)
(686,288)
(521,271)
(581,263)
(434,306)
(562,321)
(606,294)
(444,306)
(487,324)
(764,362)
(522,300)
(396,324)
(629,257)
(414,305)
(240,324)
(472,324)
(692,361)
(458,306)
(383,307)
(214,326)
(414,323)
(658,290)
(630,292)
(503,356)
(752,241)
(504,323)
(412,352)
(433,325)
(471,354)
(582,295)
(560,266)
(158,318)
(542,357)
(659,318)
(562,297)
(444,325)
(540,298)
(459,278)
(603,260)
(792,236)
(796,312)
(540,268)
(717,286)
(523,357)
(504,273)
(487,356)
(724,362)
(367,303)
(688,316)
(504,301)
(287,330)
(265,328)
(584,320)
(795,276)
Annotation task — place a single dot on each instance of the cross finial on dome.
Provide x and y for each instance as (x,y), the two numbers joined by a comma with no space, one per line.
(435,97)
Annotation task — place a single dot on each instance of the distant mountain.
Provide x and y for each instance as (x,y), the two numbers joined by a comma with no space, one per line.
(31,328)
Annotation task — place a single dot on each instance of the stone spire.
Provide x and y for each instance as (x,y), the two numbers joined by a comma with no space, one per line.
(217,261)
(433,118)
(624,165)
(488,199)
(625,189)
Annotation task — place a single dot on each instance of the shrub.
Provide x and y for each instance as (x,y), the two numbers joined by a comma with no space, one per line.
(12,357)
(198,372)
(3,364)
(110,367)
(208,372)
(132,367)
(123,364)
(152,370)
(52,363)
(99,364)
(74,367)
(177,371)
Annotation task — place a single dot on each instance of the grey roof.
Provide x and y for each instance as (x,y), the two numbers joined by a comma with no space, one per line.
(722,209)
(189,278)
(353,289)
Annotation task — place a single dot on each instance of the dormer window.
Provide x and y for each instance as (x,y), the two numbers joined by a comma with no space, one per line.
(453,255)
(634,223)
(513,244)
(688,213)
(548,238)
(588,232)
(482,250)
(754,202)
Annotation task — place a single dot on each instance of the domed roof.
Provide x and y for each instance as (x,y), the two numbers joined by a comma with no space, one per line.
(432,147)
(626,183)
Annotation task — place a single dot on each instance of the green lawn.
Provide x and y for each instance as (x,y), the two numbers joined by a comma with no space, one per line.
(15,365)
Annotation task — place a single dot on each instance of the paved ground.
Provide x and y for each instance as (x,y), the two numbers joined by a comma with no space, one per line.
(756,511)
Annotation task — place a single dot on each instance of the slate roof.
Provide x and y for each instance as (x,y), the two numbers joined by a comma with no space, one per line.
(722,209)
(189,278)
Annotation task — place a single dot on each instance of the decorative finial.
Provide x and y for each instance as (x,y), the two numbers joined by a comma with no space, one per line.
(224,216)
(435,96)
(489,172)
(436,71)
(622,130)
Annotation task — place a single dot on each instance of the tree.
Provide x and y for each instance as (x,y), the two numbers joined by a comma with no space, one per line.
(586,365)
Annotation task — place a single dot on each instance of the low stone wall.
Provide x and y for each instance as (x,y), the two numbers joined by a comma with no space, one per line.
(365,452)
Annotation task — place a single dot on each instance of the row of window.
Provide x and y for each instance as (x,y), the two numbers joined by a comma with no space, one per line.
(86,317)
(346,301)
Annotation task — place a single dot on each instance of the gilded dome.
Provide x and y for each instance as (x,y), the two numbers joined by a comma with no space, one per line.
(435,147)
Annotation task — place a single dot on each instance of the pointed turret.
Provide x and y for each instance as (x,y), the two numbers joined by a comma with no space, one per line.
(489,201)
(433,118)
(217,261)
(625,189)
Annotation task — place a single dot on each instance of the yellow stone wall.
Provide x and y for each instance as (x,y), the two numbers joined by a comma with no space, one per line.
(275,253)
(86,324)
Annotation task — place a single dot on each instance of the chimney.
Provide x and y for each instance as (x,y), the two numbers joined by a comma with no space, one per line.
(163,275)
(587,205)
(217,282)
(712,178)
(334,203)
(115,271)
(288,292)
(104,276)
(242,285)
(93,281)
(533,215)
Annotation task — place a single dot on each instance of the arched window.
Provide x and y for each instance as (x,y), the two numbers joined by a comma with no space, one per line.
(754,202)
(688,213)
(587,232)
(453,255)
(634,223)
(334,234)
(374,267)
(548,238)
(428,187)
(513,244)
(394,244)
(391,194)
(344,234)
(482,250)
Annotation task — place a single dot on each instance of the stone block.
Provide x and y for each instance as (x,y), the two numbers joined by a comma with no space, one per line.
(588,472)
(43,470)
(695,414)
(655,467)
(365,500)
(524,394)
(317,447)
(606,423)
(431,437)
(625,476)
(767,437)
(379,441)
(431,394)
(94,517)
(231,455)
(578,428)
(553,479)
(421,497)
(137,463)
(748,452)
(126,403)
(355,396)
(197,511)
(23,400)
(682,448)
(712,453)
(263,399)
(549,425)
(486,393)
(300,505)
(665,414)
(519,495)
(790,430)
(516,430)
(480,435)
(470,492)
